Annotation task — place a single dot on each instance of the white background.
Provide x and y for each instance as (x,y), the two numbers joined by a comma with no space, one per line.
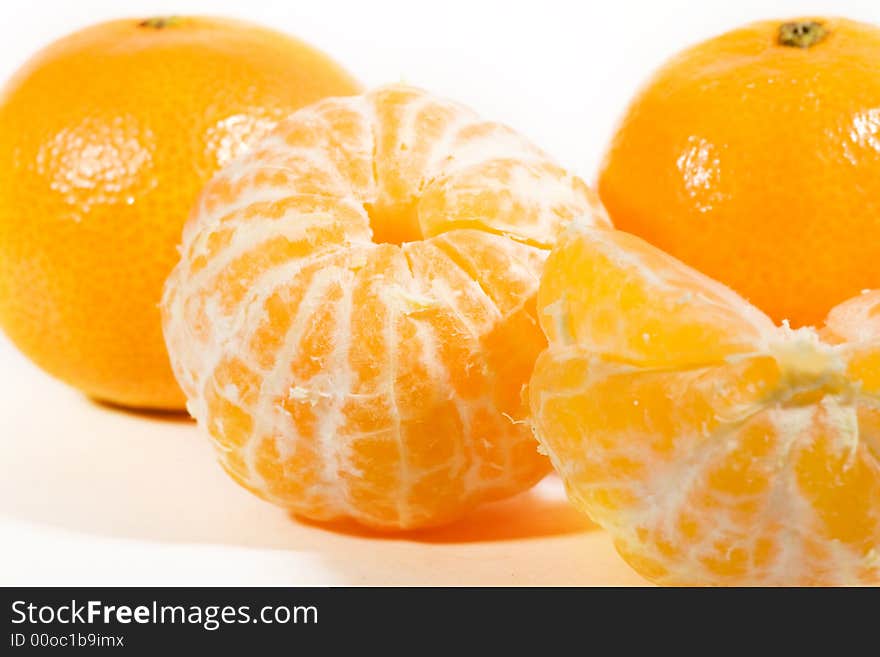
(93,496)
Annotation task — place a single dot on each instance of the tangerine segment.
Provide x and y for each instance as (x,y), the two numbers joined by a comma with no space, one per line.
(353,315)
(684,317)
(724,450)
(857,322)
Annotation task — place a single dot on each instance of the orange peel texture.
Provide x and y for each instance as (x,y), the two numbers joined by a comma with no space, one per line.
(106,138)
(757,161)
(717,447)
(352,318)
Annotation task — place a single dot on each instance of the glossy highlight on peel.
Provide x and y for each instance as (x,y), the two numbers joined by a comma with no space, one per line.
(715,446)
(754,157)
(106,137)
(352,318)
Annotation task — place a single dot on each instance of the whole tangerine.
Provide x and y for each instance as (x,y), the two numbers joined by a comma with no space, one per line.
(106,137)
(353,314)
(755,157)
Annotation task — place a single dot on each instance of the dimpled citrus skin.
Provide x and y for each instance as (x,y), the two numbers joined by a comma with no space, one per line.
(759,164)
(106,137)
(352,318)
(716,447)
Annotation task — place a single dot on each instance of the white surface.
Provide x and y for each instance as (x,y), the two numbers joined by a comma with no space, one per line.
(94,496)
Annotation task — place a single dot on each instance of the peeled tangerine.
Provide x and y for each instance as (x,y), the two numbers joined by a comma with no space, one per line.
(352,318)
(717,447)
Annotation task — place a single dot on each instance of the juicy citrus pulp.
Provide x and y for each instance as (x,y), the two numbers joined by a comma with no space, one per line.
(717,447)
(352,318)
